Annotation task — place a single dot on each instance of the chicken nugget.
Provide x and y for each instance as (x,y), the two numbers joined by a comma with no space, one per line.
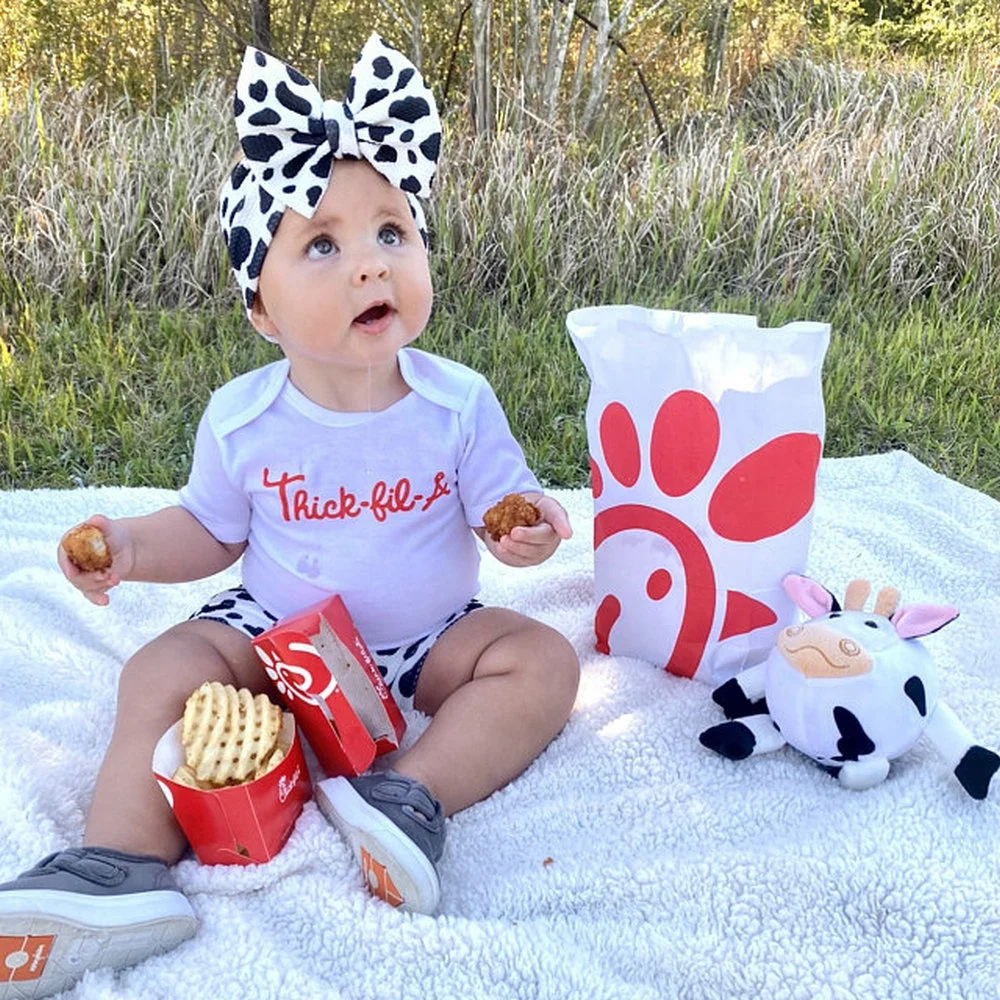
(511,512)
(86,548)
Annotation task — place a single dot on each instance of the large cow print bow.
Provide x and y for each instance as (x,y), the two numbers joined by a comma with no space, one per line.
(290,136)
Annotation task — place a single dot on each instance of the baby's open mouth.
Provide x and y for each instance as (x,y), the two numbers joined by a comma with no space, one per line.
(373,314)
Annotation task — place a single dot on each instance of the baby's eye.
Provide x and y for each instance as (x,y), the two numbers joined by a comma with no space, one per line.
(321,247)
(390,236)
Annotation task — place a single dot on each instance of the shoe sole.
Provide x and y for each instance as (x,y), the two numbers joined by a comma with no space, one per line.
(394,868)
(49,939)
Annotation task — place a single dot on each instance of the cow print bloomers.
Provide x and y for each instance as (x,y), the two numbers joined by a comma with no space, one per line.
(399,666)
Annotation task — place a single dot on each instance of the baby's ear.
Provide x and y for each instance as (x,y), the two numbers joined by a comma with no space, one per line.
(261,320)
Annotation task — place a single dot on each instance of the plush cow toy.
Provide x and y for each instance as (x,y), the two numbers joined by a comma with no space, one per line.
(852,689)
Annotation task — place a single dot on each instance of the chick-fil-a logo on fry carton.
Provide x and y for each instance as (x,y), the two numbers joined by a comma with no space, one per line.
(297,679)
(287,785)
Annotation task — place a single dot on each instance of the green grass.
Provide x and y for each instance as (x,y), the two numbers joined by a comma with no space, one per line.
(868,201)
(101,400)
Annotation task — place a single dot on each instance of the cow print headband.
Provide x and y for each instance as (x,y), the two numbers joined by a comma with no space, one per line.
(290,137)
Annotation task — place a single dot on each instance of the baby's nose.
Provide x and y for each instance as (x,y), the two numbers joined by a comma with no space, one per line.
(369,268)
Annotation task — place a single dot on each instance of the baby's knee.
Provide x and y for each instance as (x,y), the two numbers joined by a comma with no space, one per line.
(159,676)
(555,667)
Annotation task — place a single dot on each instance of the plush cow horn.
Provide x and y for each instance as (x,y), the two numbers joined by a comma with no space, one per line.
(856,594)
(887,601)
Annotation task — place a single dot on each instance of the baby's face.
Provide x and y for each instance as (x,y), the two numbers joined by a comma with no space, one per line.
(351,286)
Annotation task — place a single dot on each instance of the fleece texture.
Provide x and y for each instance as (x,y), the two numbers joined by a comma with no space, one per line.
(627,861)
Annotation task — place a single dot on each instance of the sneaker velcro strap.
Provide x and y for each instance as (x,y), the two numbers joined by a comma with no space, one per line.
(95,869)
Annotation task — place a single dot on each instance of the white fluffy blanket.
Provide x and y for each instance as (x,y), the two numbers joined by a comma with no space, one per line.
(627,861)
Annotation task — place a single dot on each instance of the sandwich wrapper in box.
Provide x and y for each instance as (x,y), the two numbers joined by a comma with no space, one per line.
(326,676)
(242,825)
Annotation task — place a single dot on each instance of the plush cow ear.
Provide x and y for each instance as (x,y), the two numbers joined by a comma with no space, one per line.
(810,596)
(913,620)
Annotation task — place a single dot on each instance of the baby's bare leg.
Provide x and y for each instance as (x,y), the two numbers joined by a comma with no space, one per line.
(499,686)
(129,812)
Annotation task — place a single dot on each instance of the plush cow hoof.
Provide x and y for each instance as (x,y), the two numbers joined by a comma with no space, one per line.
(733,701)
(731,739)
(976,769)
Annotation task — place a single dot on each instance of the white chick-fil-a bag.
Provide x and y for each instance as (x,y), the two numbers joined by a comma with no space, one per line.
(705,433)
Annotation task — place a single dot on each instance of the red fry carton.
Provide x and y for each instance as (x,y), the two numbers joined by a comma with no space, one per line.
(242,825)
(327,677)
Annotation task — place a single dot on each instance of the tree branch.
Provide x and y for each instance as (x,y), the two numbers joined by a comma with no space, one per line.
(613,38)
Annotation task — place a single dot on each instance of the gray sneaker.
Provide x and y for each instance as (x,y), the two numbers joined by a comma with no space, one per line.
(395,828)
(86,908)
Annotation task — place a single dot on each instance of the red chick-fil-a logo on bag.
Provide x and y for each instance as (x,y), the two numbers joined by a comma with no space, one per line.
(301,504)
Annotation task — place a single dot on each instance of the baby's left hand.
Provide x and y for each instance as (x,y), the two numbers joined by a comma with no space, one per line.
(526,546)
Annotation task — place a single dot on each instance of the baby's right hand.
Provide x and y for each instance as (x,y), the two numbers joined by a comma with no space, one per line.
(95,585)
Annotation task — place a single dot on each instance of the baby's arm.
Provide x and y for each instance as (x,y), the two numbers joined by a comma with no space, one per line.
(529,546)
(168,546)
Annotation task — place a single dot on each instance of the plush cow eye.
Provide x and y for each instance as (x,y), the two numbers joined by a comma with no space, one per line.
(871,624)
(849,647)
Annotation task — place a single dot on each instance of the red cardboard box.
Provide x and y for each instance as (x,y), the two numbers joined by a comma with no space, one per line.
(242,825)
(327,677)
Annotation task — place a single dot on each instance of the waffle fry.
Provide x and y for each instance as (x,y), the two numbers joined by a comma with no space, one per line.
(277,756)
(228,735)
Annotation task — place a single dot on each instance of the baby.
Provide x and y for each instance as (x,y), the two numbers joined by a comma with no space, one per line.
(355,465)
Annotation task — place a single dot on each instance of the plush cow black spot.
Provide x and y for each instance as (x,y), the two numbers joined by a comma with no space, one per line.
(731,739)
(404,78)
(266,116)
(258,90)
(976,769)
(239,246)
(382,68)
(854,742)
(914,689)
(431,146)
(410,109)
(385,154)
(260,147)
(733,701)
(291,100)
